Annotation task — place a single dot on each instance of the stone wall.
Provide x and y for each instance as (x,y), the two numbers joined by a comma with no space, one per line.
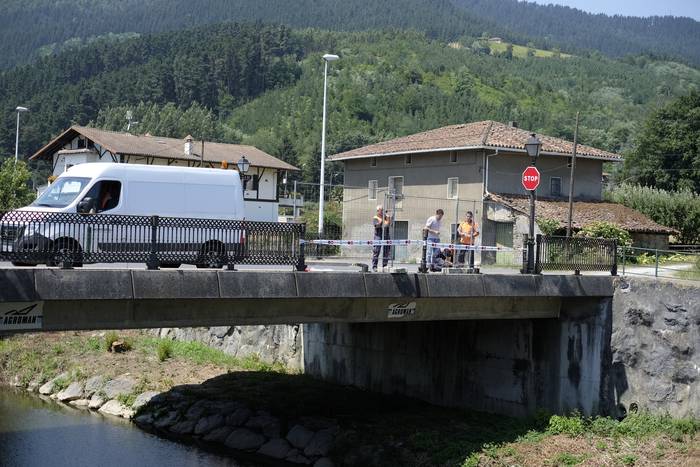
(655,344)
(274,344)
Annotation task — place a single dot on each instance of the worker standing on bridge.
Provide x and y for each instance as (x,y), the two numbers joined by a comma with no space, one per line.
(381,223)
(433,226)
(467,232)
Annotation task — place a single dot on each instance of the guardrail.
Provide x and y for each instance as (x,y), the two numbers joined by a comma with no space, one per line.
(669,264)
(575,253)
(71,239)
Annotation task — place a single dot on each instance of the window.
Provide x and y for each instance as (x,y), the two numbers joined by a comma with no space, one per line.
(62,192)
(408,159)
(452,188)
(256,182)
(453,156)
(372,190)
(373,162)
(104,195)
(555,186)
(396,186)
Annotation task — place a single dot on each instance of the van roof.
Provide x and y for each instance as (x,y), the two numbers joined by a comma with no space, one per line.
(152,173)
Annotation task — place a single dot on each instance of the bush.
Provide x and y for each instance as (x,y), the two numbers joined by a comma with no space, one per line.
(572,426)
(164,350)
(110,338)
(677,209)
(607,230)
(548,226)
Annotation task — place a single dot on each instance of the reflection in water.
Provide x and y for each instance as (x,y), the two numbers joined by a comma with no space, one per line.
(38,433)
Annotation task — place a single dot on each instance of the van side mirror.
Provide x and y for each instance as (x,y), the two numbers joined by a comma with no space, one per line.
(85,205)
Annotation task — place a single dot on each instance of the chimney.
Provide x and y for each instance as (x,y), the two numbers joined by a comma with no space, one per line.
(188,145)
(513,124)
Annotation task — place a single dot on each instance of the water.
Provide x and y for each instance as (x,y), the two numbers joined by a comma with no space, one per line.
(34,432)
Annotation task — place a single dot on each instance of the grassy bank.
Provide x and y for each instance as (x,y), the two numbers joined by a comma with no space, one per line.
(375,429)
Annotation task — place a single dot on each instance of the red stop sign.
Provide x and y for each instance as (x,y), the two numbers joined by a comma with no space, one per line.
(531,178)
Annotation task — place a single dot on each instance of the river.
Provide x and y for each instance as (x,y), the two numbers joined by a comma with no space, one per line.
(34,432)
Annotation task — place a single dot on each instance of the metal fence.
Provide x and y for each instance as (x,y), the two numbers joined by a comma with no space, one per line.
(71,239)
(575,253)
(669,264)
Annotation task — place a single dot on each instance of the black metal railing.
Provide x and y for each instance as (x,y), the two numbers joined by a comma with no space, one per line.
(70,239)
(575,254)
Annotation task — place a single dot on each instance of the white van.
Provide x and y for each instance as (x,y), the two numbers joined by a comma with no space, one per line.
(104,189)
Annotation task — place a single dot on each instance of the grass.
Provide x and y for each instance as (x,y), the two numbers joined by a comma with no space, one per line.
(520,51)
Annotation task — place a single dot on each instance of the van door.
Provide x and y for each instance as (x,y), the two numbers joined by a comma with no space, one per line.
(103,198)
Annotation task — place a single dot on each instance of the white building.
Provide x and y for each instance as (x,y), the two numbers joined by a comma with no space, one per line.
(80,145)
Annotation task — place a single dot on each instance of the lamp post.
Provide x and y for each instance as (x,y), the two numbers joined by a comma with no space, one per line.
(532,147)
(326,58)
(243,165)
(19,110)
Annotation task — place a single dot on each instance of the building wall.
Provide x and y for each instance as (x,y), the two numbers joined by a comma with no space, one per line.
(505,172)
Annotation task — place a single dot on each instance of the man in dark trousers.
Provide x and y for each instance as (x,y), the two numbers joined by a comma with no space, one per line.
(381,223)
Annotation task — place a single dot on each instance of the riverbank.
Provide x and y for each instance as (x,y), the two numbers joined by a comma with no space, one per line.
(267,414)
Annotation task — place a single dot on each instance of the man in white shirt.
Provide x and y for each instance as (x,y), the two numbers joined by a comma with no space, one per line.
(432,226)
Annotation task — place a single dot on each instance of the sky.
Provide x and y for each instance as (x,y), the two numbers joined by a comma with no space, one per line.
(689,8)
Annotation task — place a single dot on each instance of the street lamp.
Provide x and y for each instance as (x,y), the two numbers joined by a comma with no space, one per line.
(532,147)
(243,165)
(326,58)
(19,110)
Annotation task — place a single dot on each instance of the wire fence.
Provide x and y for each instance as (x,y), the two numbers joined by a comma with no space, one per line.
(669,264)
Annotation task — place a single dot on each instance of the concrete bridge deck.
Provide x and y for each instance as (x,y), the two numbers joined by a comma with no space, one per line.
(120,299)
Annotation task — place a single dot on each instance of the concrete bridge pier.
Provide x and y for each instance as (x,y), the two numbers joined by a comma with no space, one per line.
(509,366)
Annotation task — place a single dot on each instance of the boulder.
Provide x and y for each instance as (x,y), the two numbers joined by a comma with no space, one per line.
(277,448)
(94,384)
(143,399)
(206,424)
(184,427)
(296,457)
(169,419)
(73,392)
(50,386)
(144,419)
(269,425)
(197,410)
(218,435)
(33,385)
(121,385)
(96,401)
(321,443)
(80,403)
(324,462)
(244,439)
(299,436)
(116,408)
(238,417)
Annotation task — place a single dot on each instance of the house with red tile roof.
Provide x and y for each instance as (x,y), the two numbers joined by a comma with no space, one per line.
(478,167)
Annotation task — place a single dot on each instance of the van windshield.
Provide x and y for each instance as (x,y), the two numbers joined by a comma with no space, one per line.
(62,192)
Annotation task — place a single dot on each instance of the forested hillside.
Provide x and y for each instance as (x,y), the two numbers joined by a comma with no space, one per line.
(575,30)
(262,85)
(29,25)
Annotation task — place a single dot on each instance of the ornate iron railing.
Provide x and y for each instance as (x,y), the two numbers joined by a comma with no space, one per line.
(71,239)
(575,253)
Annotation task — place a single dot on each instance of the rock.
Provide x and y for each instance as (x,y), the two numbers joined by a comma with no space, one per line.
(96,401)
(73,392)
(143,399)
(324,462)
(319,423)
(80,403)
(121,385)
(299,436)
(269,425)
(116,408)
(184,427)
(205,425)
(33,385)
(244,439)
(297,457)
(239,417)
(167,420)
(118,347)
(197,410)
(94,384)
(144,419)
(218,435)
(277,448)
(16,381)
(50,386)
(321,443)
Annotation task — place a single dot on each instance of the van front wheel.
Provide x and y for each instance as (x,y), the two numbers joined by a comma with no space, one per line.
(65,249)
(212,255)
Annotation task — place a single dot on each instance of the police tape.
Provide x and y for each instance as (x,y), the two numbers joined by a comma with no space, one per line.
(451,246)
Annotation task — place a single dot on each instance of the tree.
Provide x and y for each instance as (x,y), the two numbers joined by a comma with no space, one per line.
(667,152)
(14,185)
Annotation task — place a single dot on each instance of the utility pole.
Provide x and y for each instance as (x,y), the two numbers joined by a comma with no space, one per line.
(571,179)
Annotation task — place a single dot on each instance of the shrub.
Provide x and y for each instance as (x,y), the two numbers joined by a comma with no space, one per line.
(110,338)
(607,230)
(548,226)
(164,350)
(572,426)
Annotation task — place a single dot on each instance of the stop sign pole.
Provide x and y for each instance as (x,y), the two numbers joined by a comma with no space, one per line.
(531,180)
